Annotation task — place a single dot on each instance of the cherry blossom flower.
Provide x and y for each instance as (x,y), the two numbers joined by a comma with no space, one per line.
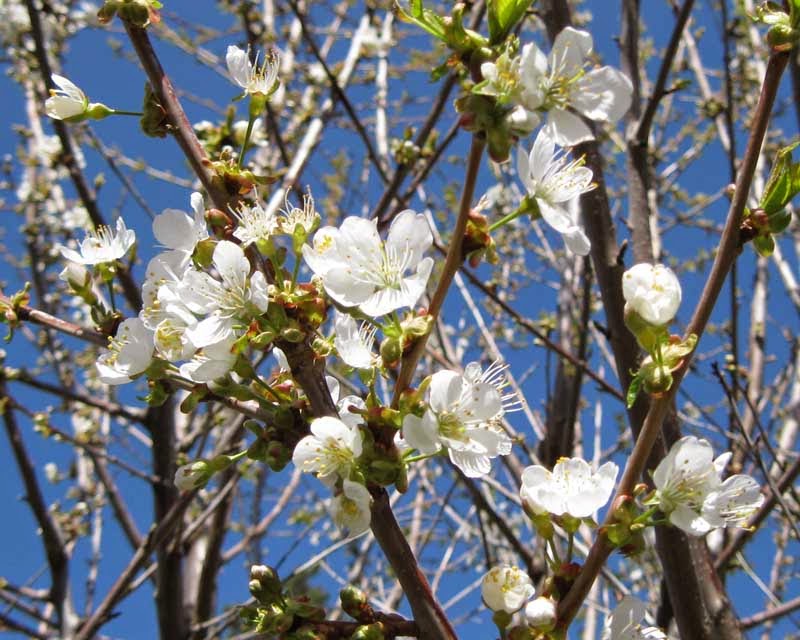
(253,77)
(506,588)
(350,510)
(129,353)
(653,291)
(229,303)
(358,270)
(330,451)
(178,231)
(67,101)
(254,224)
(354,342)
(463,418)
(553,181)
(625,623)
(211,362)
(559,82)
(689,489)
(572,488)
(102,245)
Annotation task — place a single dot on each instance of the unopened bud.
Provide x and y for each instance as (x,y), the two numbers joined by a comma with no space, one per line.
(391,350)
(355,604)
(541,613)
(369,632)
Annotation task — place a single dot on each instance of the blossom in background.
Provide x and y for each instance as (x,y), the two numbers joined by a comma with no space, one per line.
(354,342)
(463,418)
(506,588)
(330,451)
(177,230)
(103,245)
(350,510)
(129,353)
(625,623)
(572,487)
(253,77)
(690,491)
(559,82)
(230,303)
(553,181)
(359,270)
(653,291)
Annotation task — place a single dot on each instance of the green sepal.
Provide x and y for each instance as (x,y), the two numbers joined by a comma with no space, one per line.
(764,245)
(779,221)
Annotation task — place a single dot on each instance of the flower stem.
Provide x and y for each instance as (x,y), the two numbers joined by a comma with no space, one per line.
(120,112)
(505,219)
(111,299)
(250,122)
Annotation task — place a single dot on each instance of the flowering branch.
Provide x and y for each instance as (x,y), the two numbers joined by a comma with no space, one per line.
(651,428)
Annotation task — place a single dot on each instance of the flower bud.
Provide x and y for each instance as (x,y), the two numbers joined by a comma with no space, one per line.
(652,291)
(391,351)
(355,604)
(506,588)
(193,475)
(369,632)
(541,613)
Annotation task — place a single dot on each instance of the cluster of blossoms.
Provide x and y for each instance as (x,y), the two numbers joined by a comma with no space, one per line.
(691,492)
(507,590)
(558,85)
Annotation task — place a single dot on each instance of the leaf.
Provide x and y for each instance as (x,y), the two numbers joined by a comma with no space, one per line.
(783,183)
(423,18)
(504,16)
(779,221)
(633,390)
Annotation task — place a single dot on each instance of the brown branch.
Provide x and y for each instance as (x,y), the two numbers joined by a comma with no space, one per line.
(452,262)
(779,611)
(181,127)
(52,539)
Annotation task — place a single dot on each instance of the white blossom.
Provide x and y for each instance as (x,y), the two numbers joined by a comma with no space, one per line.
(350,509)
(211,362)
(68,101)
(178,231)
(559,82)
(230,303)
(75,275)
(625,623)
(102,245)
(463,418)
(690,491)
(541,613)
(572,487)
(253,77)
(358,270)
(506,588)
(254,224)
(129,353)
(330,451)
(653,291)
(291,216)
(354,342)
(553,181)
